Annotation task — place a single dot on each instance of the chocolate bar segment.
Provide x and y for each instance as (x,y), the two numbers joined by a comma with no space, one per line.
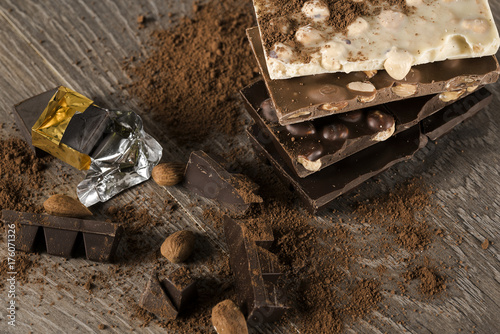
(86,129)
(206,176)
(155,300)
(304,98)
(27,112)
(180,288)
(335,137)
(444,121)
(256,272)
(61,235)
(320,188)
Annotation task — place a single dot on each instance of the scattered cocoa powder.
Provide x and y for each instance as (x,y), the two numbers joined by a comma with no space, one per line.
(21,176)
(431,282)
(191,78)
(398,211)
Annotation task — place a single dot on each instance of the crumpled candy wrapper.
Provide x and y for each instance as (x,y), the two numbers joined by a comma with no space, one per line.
(111,145)
(125,157)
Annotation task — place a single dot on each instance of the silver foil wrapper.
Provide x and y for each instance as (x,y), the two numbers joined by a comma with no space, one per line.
(124,157)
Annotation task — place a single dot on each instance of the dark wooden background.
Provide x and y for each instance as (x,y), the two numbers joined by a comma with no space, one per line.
(81,44)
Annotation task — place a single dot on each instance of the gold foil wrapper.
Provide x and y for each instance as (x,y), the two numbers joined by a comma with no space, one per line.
(50,127)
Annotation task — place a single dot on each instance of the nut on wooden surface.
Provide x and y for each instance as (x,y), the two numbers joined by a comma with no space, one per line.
(228,319)
(168,173)
(65,206)
(178,246)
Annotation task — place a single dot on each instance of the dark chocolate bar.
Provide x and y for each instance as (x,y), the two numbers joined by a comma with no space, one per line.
(61,235)
(155,300)
(256,272)
(28,111)
(180,288)
(320,188)
(86,129)
(206,176)
(309,97)
(313,145)
(444,121)
(82,133)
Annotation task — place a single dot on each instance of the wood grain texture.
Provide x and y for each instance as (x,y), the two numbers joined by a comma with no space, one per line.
(81,44)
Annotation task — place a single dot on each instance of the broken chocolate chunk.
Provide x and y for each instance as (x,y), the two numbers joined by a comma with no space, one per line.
(155,300)
(256,272)
(180,288)
(206,176)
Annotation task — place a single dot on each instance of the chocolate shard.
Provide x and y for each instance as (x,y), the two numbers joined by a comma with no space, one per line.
(320,188)
(206,176)
(445,120)
(100,239)
(181,288)
(155,300)
(28,111)
(309,97)
(335,137)
(256,272)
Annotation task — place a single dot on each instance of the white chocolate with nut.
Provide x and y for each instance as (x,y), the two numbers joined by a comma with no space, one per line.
(390,38)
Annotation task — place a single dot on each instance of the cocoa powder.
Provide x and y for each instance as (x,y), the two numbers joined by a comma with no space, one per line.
(189,83)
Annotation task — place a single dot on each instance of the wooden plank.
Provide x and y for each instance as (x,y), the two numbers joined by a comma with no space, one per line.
(41,43)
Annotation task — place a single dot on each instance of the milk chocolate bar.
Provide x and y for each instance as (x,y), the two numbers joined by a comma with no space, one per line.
(206,176)
(304,98)
(313,145)
(63,236)
(256,271)
(320,188)
(318,36)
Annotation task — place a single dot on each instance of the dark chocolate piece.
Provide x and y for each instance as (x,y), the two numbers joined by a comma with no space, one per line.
(86,129)
(256,272)
(445,120)
(180,288)
(206,176)
(333,138)
(27,113)
(309,97)
(82,133)
(320,188)
(155,300)
(60,235)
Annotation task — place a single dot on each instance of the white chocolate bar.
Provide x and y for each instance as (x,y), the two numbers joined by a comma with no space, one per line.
(431,30)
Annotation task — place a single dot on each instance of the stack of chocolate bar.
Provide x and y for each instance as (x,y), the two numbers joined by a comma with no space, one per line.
(348,91)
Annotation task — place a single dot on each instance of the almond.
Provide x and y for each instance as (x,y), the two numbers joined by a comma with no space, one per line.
(65,206)
(451,96)
(168,174)
(362,87)
(404,90)
(228,319)
(178,246)
(398,63)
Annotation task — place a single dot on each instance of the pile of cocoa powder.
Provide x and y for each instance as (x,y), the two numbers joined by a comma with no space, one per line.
(189,83)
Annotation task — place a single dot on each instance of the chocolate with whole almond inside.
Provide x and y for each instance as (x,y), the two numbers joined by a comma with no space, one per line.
(324,36)
(309,97)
